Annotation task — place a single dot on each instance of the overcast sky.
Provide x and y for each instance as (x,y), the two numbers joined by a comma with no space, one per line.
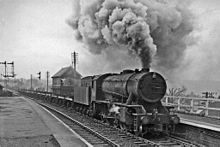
(34,34)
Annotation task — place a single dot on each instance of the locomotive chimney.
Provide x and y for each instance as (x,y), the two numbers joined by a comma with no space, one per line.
(145,69)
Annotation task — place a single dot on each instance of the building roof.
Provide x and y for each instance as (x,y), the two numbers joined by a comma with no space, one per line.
(67,72)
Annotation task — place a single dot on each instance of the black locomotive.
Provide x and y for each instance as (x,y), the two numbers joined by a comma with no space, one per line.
(130,100)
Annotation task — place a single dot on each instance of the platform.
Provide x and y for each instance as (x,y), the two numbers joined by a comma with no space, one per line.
(23,123)
(200,121)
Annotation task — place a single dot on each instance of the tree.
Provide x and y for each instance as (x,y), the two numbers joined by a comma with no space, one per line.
(177,91)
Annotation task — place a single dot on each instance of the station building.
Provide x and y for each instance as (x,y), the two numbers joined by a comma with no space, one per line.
(64,81)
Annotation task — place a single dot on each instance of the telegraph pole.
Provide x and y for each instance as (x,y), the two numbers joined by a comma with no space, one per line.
(31,81)
(74,57)
(5,69)
(5,74)
(5,63)
(47,79)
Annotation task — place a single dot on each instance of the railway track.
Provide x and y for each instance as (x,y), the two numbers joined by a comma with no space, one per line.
(92,137)
(100,134)
(173,141)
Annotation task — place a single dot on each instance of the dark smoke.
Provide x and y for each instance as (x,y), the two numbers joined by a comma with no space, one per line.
(153,30)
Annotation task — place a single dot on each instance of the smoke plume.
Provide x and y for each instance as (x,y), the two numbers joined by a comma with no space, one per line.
(156,31)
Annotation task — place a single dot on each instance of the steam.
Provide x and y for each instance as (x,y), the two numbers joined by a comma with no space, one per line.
(156,31)
(115,109)
(204,56)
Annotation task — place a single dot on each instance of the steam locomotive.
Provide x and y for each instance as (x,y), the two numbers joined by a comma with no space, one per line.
(129,100)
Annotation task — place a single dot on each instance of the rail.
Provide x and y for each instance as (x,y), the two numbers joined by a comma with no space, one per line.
(84,131)
(209,107)
(112,135)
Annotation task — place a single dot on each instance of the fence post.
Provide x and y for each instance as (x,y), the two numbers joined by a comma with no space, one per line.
(166,100)
(178,104)
(206,107)
(191,105)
